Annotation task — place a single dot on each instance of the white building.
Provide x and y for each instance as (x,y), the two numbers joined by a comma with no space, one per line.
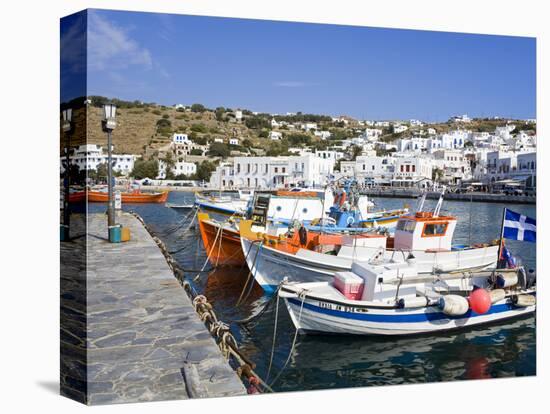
(275,135)
(239,115)
(398,128)
(273,172)
(308,126)
(322,134)
(179,168)
(375,170)
(180,138)
(371,133)
(274,123)
(461,118)
(233,141)
(412,172)
(453,164)
(411,144)
(416,123)
(330,155)
(90,156)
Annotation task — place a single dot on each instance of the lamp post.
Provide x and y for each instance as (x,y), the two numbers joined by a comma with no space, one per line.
(109,123)
(66,127)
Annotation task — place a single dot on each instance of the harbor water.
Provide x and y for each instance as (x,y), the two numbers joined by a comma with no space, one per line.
(320,362)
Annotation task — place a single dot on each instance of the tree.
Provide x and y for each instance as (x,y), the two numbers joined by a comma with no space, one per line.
(196,151)
(437,174)
(356,150)
(204,170)
(196,107)
(247,143)
(164,123)
(298,139)
(145,169)
(218,149)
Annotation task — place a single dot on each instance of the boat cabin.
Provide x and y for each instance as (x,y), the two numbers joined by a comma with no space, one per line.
(424,231)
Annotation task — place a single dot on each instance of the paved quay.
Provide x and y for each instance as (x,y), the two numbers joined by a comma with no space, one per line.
(143,334)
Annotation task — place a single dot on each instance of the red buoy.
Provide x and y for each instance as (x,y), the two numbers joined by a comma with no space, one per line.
(480,301)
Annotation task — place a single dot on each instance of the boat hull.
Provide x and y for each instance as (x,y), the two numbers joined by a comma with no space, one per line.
(318,316)
(222,246)
(102,197)
(270,266)
(232,208)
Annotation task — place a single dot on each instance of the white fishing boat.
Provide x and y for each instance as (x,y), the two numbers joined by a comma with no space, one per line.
(222,204)
(426,236)
(394,299)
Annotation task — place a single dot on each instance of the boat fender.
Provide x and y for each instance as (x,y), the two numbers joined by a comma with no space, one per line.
(415,302)
(480,301)
(497,295)
(522,301)
(453,305)
(506,280)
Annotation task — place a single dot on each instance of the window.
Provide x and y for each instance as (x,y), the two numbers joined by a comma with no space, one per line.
(238,168)
(248,168)
(407,168)
(434,229)
(406,225)
(413,168)
(283,169)
(276,169)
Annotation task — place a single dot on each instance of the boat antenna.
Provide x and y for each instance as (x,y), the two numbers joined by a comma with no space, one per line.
(439,203)
(421,201)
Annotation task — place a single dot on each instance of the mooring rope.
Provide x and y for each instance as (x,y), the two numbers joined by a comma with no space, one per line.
(301,295)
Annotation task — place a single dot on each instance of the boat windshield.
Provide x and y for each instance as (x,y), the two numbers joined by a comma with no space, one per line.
(406,225)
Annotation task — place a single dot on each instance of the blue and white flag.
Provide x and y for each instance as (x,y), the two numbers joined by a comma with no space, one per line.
(519,227)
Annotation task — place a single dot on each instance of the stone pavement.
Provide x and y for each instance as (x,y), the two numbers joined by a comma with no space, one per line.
(141,326)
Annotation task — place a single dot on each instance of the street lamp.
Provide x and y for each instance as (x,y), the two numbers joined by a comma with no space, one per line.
(109,123)
(66,126)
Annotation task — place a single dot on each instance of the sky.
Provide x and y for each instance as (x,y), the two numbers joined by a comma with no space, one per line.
(279,67)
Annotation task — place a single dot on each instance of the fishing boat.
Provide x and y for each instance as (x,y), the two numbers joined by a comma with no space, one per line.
(187,206)
(395,299)
(307,256)
(222,241)
(135,196)
(222,204)
(77,196)
(273,213)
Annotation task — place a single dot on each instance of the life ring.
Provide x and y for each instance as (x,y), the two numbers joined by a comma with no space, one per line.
(350,220)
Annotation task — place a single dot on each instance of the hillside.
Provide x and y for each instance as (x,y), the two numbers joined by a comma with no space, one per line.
(145,128)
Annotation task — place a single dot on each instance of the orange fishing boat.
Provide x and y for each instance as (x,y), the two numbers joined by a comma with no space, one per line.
(222,242)
(77,197)
(135,196)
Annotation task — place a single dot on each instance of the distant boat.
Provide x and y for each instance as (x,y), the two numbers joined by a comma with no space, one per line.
(131,197)
(180,206)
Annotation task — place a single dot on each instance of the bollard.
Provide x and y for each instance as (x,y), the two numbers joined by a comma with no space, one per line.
(114,233)
(64,232)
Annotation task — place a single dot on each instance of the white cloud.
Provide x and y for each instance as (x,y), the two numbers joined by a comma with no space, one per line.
(110,46)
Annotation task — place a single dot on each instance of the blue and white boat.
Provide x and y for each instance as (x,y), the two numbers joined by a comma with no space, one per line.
(393,299)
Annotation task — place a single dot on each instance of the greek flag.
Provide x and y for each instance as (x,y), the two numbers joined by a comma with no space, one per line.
(519,227)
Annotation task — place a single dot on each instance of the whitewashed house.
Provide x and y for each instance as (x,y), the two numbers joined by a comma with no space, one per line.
(90,156)
(233,141)
(275,135)
(179,168)
(412,172)
(273,172)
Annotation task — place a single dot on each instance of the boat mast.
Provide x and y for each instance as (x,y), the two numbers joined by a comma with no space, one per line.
(439,203)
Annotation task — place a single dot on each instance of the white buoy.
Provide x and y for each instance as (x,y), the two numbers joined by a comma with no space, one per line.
(507,280)
(413,302)
(523,301)
(497,295)
(453,305)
